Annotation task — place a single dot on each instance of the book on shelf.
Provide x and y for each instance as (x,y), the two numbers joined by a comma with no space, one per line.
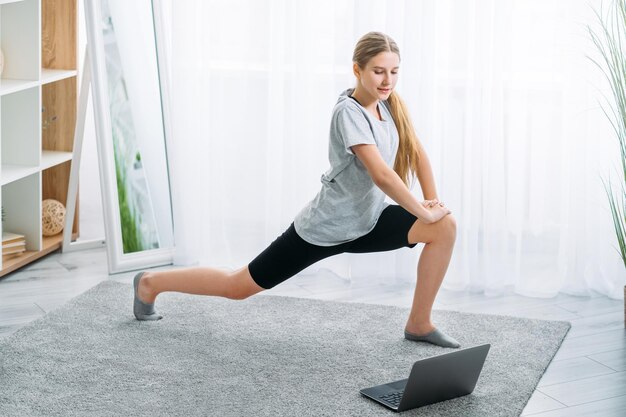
(13,250)
(9,237)
(13,244)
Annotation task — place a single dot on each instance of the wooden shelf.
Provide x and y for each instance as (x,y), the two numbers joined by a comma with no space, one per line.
(50,244)
(50,159)
(52,75)
(8,86)
(12,173)
(9,1)
(11,264)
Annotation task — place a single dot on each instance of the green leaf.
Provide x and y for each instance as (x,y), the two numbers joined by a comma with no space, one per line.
(611,43)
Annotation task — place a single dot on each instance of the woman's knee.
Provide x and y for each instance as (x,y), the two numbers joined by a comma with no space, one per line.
(442,230)
(242,285)
(448,227)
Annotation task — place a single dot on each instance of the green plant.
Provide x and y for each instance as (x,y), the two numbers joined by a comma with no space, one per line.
(131,235)
(131,241)
(611,42)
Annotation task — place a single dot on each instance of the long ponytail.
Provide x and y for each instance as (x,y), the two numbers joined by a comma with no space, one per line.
(409,147)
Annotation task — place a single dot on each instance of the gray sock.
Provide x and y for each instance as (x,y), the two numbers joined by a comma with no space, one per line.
(436,337)
(143,311)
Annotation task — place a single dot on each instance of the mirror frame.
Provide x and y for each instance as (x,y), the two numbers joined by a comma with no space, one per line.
(118,261)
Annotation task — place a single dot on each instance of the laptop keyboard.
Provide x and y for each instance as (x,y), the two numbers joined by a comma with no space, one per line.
(393,398)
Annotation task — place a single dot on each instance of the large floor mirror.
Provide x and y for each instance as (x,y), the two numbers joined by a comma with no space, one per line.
(125,43)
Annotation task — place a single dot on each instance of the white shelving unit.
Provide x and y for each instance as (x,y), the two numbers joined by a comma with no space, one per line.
(37,117)
(50,75)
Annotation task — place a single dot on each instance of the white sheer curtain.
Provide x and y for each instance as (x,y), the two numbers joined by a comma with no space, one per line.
(502,97)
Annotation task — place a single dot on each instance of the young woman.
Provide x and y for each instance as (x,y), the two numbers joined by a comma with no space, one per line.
(373,152)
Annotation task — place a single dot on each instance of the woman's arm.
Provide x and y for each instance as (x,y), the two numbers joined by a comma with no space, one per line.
(390,183)
(426,178)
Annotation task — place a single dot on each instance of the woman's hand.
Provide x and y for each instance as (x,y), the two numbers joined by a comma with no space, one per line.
(436,209)
(431,203)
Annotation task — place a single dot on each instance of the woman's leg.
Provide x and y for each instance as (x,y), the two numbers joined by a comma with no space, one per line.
(235,285)
(283,258)
(439,238)
(390,234)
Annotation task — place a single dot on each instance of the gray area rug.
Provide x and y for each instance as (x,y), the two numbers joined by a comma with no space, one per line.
(264,356)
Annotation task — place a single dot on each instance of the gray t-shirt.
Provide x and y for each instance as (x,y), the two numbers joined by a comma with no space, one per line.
(349,203)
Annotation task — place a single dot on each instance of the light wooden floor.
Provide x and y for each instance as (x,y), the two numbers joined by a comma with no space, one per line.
(587,376)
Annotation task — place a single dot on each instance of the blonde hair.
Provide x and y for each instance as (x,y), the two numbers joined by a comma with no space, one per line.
(409,148)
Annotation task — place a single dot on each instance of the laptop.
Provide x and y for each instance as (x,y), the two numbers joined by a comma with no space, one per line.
(433,379)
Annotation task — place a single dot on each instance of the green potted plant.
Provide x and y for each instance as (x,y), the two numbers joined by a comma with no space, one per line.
(611,42)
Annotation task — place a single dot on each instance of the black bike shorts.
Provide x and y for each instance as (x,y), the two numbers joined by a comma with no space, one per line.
(290,254)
